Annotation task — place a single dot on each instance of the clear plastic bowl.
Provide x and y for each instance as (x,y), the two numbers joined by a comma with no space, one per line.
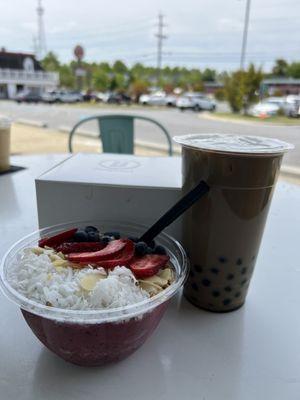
(95,337)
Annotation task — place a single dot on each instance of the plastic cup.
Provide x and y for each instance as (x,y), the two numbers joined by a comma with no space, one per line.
(95,337)
(223,231)
(4,143)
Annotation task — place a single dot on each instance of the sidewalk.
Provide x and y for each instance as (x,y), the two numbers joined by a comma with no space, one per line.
(31,140)
(37,140)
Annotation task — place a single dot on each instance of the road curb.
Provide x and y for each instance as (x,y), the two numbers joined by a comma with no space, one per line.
(31,122)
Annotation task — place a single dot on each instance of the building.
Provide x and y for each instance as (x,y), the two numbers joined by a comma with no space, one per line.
(21,71)
(284,86)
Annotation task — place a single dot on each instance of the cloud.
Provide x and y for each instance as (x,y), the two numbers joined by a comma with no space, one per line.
(229,25)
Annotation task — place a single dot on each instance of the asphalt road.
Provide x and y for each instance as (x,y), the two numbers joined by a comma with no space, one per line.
(176,122)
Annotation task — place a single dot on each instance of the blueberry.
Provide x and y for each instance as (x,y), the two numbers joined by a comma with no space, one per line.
(141,248)
(80,236)
(93,236)
(134,239)
(116,235)
(91,229)
(106,239)
(152,244)
(150,250)
(159,250)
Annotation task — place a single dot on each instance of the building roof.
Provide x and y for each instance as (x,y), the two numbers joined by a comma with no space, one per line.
(16,60)
(281,81)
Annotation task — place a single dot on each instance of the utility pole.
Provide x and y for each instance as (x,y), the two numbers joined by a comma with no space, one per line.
(41,37)
(160,37)
(245,35)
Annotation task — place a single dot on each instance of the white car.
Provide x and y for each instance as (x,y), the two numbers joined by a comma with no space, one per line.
(195,102)
(264,108)
(157,99)
(70,97)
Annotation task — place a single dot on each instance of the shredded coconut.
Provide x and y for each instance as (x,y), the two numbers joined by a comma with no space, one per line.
(35,277)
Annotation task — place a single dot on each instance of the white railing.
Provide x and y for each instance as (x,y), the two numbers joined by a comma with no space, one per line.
(19,76)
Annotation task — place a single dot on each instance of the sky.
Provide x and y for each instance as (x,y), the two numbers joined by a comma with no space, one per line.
(200,33)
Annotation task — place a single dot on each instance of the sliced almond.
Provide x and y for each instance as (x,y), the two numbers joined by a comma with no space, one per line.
(61,255)
(37,250)
(157,280)
(88,282)
(150,287)
(60,263)
(166,274)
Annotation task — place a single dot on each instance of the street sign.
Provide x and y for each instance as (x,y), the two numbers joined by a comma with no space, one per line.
(79,52)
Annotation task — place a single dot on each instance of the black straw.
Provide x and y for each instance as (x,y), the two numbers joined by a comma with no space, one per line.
(173,213)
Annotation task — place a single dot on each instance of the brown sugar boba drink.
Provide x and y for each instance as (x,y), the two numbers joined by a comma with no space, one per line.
(223,231)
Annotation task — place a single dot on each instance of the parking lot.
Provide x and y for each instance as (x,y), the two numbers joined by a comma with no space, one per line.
(59,117)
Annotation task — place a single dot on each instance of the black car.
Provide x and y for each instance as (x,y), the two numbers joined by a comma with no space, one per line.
(28,97)
(119,98)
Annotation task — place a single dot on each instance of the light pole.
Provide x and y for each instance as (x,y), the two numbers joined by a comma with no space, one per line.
(245,35)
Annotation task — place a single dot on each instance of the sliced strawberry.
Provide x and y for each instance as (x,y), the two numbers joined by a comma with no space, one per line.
(109,252)
(79,247)
(148,265)
(123,258)
(56,240)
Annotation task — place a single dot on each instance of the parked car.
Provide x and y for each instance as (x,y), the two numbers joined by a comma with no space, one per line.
(273,106)
(158,99)
(28,97)
(264,109)
(294,101)
(119,98)
(70,97)
(195,101)
(51,97)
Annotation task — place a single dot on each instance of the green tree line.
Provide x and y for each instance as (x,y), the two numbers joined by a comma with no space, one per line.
(240,88)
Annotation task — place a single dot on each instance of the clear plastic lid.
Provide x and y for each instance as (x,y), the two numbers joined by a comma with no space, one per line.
(229,143)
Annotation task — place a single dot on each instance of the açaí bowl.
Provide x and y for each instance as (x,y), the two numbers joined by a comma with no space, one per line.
(95,337)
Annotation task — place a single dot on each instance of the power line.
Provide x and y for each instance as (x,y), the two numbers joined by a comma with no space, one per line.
(160,37)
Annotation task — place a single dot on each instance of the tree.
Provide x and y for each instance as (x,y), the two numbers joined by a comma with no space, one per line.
(50,62)
(100,80)
(294,70)
(66,76)
(280,68)
(209,75)
(250,86)
(137,88)
(241,88)
(119,67)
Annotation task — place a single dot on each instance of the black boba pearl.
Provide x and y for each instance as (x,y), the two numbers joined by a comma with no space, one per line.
(223,260)
(198,268)
(239,261)
(206,282)
(91,229)
(195,286)
(243,271)
(80,236)
(227,289)
(192,274)
(243,282)
(237,294)
(216,293)
(214,271)
(253,258)
(226,302)
(230,277)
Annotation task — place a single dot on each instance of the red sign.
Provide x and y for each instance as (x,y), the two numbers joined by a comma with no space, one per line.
(79,52)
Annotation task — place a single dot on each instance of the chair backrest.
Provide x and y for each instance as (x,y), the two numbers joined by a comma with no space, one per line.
(117,132)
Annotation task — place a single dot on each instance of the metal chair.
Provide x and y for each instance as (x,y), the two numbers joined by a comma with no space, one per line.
(117,132)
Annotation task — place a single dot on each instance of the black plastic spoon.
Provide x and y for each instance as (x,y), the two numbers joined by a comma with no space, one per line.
(174,212)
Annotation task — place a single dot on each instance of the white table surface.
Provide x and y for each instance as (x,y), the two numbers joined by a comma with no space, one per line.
(249,354)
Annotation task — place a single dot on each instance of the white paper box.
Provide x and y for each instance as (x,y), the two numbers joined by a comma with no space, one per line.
(110,186)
